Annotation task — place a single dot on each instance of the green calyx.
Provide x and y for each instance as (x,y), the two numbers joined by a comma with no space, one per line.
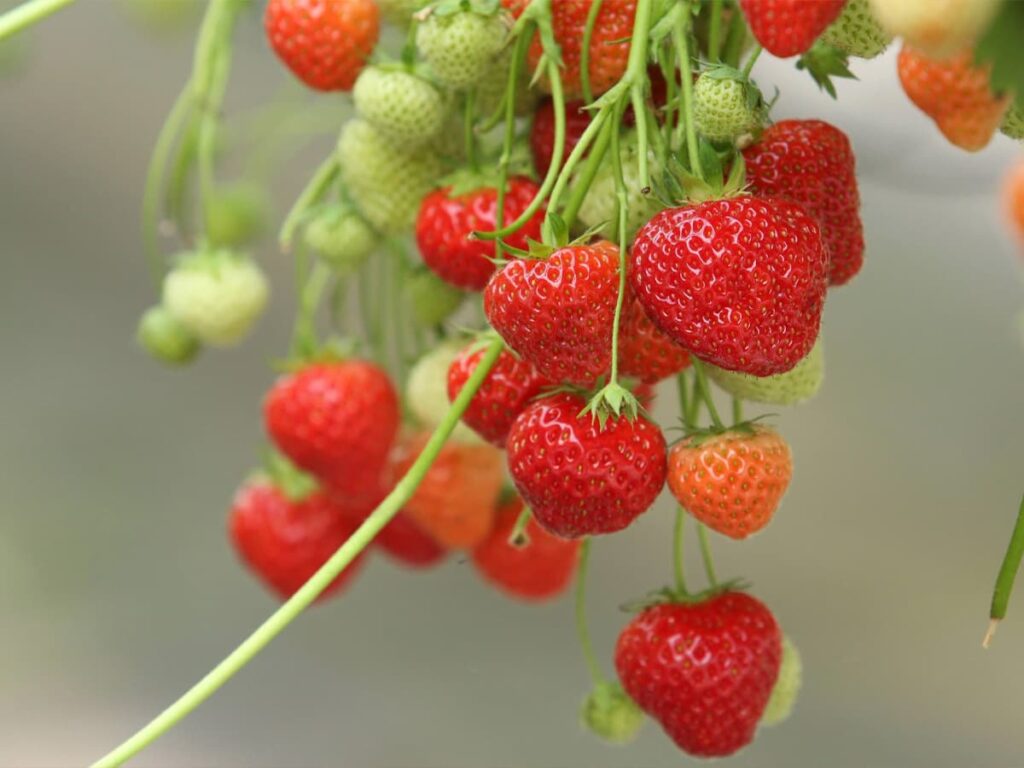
(613,399)
(824,62)
(165,339)
(668,595)
(609,713)
(728,108)
(787,685)
(295,484)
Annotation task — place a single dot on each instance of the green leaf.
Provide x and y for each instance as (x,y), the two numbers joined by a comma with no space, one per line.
(823,62)
(1002,46)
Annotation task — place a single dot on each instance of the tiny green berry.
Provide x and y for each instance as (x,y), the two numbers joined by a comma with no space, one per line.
(726,108)
(433,300)
(341,237)
(164,338)
(236,215)
(611,714)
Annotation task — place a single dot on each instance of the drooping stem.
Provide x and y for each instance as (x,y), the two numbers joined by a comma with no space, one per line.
(705,553)
(309,591)
(508,141)
(313,192)
(636,72)
(734,40)
(304,336)
(680,39)
(715,31)
(705,391)
(677,551)
(581,614)
(586,176)
(25,15)
(751,60)
(622,209)
(588,35)
(1007,574)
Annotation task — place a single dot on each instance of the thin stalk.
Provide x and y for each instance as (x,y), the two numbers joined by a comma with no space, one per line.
(622,210)
(715,31)
(737,410)
(705,553)
(680,39)
(304,337)
(592,130)
(25,15)
(684,400)
(751,60)
(581,614)
(508,140)
(636,71)
(677,551)
(734,40)
(586,176)
(1007,574)
(705,390)
(588,35)
(314,191)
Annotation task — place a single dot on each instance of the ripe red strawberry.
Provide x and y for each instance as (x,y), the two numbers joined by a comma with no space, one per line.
(507,390)
(445,222)
(558,312)
(703,670)
(539,570)
(732,482)
(542,132)
(789,27)
(811,163)
(409,544)
(578,478)
(738,282)
(325,43)
(337,421)
(645,352)
(286,541)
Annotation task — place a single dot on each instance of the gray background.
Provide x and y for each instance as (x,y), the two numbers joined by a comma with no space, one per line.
(118,587)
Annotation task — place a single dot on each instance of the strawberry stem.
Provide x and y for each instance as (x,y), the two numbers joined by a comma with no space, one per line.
(680,39)
(750,61)
(734,40)
(1007,574)
(581,614)
(588,35)
(304,338)
(25,15)
(587,174)
(737,410)
(509,104)
(715,31)
(677,551)
(705,391)
(519,538)
(622,210)
(311,194)
(705,553)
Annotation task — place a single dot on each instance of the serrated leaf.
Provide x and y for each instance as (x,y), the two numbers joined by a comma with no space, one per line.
(1002,47)
(823,62)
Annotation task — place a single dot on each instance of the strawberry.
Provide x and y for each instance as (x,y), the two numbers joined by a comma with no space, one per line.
(581,477)
(1013,123)
(447,219)
(405,109)
(646,353)
(558,312)
(600,205)
(703,670)
(426,390)
(800,383)
(955,94)
(460,48)
(386,181)
(215,295)
(323,42)
(336,420)
(455,502)
(432,299)
(342,238)
(811,163)
(857,31)
(285,540)
(542,132)
(404,541)
(787,686)
(538,570)
(609,713)
(789,27)
(609,43)
(509,387)
(1013,194)
(165,339)
(236,215)
(737,282)
(727,106)
(733,481)
(939,28)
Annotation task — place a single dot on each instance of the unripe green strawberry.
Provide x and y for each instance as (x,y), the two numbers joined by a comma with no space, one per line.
(165,338)
(600,204)
(726,105)
(433,300)
(236,215)
(405,109)
(491,88)
(1013,123)
(460,48)
(342,237)
(426,392)
(387,182)
(215,295)
(800,383)
(399,12)
(787,685)
(609,713)
(857,31)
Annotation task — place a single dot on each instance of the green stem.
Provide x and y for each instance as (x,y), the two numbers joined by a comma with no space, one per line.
(592,130)
(309,591)
(737,410)
(27,14)
(636,72)
(621,205)
(684,400)
(581,614)
(519,537)
(304,337)
(705,553)
(314,191)
(677,551)
(734,40)
(751,60)
(715,31)
(586,176)
(508,140)
(1007,574)
(705,391)
(588,35)
(680,39)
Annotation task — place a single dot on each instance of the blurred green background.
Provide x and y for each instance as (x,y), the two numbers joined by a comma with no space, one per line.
(118,588)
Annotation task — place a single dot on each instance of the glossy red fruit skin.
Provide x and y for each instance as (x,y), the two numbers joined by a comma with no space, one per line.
(444,224)
(645,353)
(789,27)
(558,312)
(811,163)
(325,43)
(540,570)
(507,390)
(739,282)
(285,542)
(337,421)
(581,480)
(410,545)
(704,671)
(542,132)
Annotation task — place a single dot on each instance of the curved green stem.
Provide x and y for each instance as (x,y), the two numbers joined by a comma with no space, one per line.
(715,31)
(751,60)
(684,400)
(636,73)
(317,583)
(680,40)
(734,40)
(25,15)
(1007,574)
(622,208)
(581,614)
(705,391)
(705,553)
(677,551)
(304,337)
(588,35)
(508,140)
(313,192)
(586,176)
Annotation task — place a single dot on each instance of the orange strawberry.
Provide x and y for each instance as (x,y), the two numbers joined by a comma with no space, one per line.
(955,94)
(733,481)
(1013,194)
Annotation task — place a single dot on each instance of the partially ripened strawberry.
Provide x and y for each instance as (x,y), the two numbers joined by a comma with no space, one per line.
(285,541)
(789,27)
(645,352)
(939,28)
(811,163)
(955,94)
(542,132)
(738,282)
(732,482)
(336,420)
(508,388)
(539,569)
(446,220)
(578,477)
(558,312)
(325,43)
(703,670)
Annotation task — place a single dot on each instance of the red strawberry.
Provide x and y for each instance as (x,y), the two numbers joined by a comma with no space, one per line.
(445,222)
(579,478)
(337,421)
(539,570)
(811,163)
(558,312)
(409,544)
(542,132)
(325,43)
(285,541)
(788,27)
(704,671)
(738,282)
(507,390)
(645,352)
